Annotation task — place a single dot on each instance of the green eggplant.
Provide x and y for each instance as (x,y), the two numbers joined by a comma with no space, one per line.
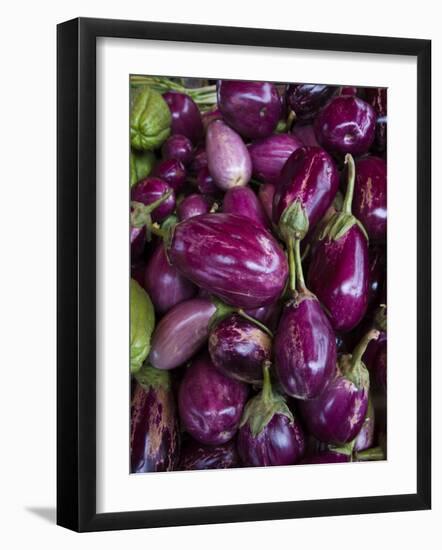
(141,165)
(150,120)
(142,323)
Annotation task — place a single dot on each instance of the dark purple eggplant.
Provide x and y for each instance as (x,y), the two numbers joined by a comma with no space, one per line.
(269,434)
(193,205)
(210,403)
(199,160)
(238,348)
(268,315)
(186,117)
(370,200)
(365,438)
(227,156)
(307,186)
(239,262)
(326,457)
(377,98)
(337,415)
(376,275)
(270,154)
(171,171)
(252,108)
(154,431)
(149,192)
(266,193)
(137,241)
(205,183)
(195,456)
(305,100)
(346,124)
(380,368)
(243,202)
(178,147)
(165,286)
(339,269)
(306,134)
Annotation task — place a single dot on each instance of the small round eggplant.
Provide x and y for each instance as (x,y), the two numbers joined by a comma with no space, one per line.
(365,438)
(199,160)
(337,415)
(205,183)
(154,431)
(150,190)
(210,404)
(238,348)
(171,171)
(243,202)
(178,147)
(165,286)
(269,435)
(193,205)
(252,108)
(186,117)
(227,156)
(270,154)
(195,456)
(346,124)
(306,134)
(370,201)
(266,193)
(305,100)
(377,98)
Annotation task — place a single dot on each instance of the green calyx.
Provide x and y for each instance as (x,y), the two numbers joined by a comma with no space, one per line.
(141,214)
(352,366)
(260,410)
(150,120)
(345,449)
(142,323)
(293,223)
(150,377)
(223,310)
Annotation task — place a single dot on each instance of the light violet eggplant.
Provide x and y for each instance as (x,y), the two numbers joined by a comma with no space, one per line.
(178,147)
(195,456)
(171,171)
(239,262)
(305,100)
(186,117)
(210,404)
(193,205)
(228,158)
(243,202)
(270,154)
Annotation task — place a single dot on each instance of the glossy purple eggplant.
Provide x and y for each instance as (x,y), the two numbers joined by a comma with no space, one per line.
(171,171)
(243,202)
(346,124)
(199,160)
(240,263)
(270,154)
(186,117)
(370,200)
(210,116)
(150,190)
(178,147)
(269,434)
(193,205)
(238,348)
(339,266)
(326,457)
(210,404)
(266,193)
(377,98)
(252,108)
(154,430)
(137,242)
(337,415)
(195,456)
(227,156)
(165,286)
(365,438)
(306,134)
(205,183)
(268,315)
(305,100)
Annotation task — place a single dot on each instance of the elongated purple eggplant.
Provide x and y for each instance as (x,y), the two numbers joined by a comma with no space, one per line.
(337,415)
(178,147)
(377,98)
(338,272)
(227,156)
(171,171)
(306,134)
(307,186)
(365,438)
(151,190)
(210,404)
(370,200)
(270,154)
(195,456)
(269,435)
(266,193)
(346,124)
(186,117)
(305,100)
(238,348)
(244,202)
(252,108)
(193,205)
(165,286)
(154,433)
(240,263)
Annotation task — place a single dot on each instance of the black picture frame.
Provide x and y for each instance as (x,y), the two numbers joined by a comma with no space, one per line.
(76,273)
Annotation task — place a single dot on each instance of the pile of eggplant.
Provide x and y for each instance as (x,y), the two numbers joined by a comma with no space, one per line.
(258,274)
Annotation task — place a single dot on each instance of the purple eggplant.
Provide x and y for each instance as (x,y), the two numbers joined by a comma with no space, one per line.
(365,438)
(193,205)
(305,100)
(370,200)
(268,315)
(137,241)
(195,456)
(148,192)
(376,274)
(339,269)
(205,183)
(307,186)
(178,147)
(239,262)
(210,404)
(243,202)
(199,160)
(306,134)
(270,154)
(380,370)
(326,457)
(377,98)
(186,117)
(266,193)
(337,415)
(210,116)
(227,156)
(238,348)
(252,108)
(165,286)
(269,435)
(171,171)
(346,124)
(154,430)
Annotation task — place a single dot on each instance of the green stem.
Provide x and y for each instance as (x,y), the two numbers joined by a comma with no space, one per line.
(348,199)
(290,119)
(375,453)
(299,272)
(292,264)
(245,315)
(157,231)
(360,349)
(266,393)
(151,207)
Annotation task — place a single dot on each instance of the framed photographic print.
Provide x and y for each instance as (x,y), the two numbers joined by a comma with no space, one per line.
(225,269)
